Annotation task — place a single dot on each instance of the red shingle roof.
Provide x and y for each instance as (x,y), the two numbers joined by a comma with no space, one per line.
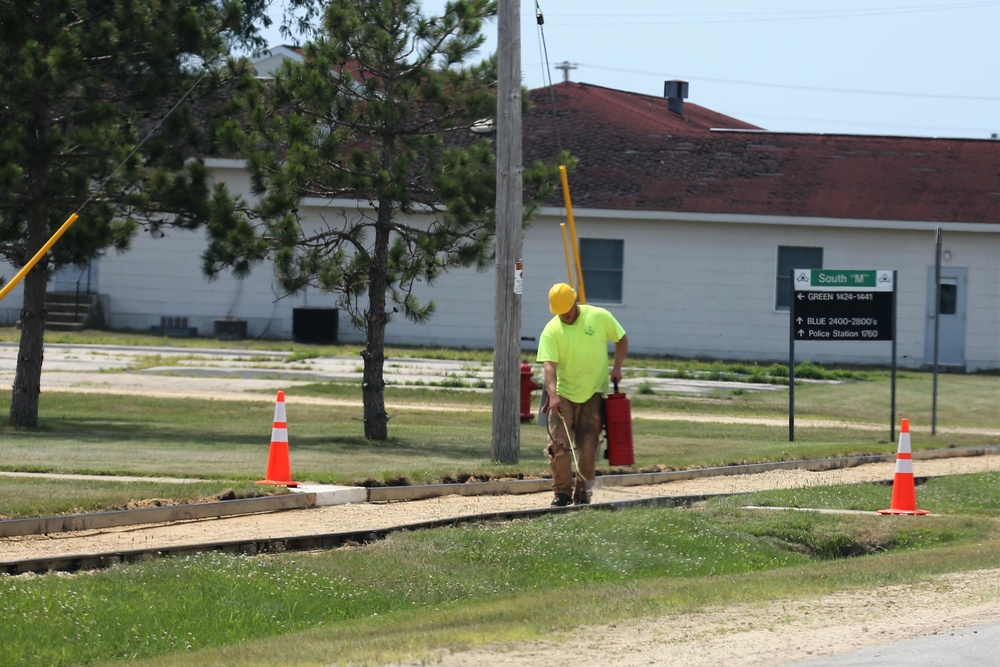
(635,154)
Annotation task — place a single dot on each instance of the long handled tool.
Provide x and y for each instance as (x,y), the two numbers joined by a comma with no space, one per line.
(572,446)
(587,490)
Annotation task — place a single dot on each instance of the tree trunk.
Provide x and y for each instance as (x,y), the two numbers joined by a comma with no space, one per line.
(28,375)
(373,386)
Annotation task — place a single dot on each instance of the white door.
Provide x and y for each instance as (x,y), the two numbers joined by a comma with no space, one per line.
(951,331)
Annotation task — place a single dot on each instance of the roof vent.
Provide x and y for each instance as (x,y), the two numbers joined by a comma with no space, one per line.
(675,91)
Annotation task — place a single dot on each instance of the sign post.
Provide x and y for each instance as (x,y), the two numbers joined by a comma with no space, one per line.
(841,305)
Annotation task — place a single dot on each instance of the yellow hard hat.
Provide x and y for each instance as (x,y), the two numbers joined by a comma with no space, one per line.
(562,298)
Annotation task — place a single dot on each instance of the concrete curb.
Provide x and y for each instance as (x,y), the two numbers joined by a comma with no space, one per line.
(189,512)
(316,495)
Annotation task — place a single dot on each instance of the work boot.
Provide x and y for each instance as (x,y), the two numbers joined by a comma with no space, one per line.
(582,498)
(561,500)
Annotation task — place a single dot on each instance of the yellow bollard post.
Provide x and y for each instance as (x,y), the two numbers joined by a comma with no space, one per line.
(572,233)
(38,255)
(569,268)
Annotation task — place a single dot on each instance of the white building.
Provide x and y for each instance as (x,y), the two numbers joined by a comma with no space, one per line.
(689,223)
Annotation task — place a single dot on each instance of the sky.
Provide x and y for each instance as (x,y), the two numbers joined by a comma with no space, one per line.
(927,68)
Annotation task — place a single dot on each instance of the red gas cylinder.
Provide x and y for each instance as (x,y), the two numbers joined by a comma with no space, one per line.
(528,385)
(618,423)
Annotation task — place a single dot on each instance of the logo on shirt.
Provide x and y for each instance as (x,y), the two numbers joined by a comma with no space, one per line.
(590,331)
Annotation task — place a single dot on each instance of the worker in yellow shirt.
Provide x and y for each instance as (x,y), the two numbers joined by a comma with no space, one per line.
(573,350)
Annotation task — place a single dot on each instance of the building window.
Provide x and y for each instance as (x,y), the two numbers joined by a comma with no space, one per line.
(948,305)
(793,257)
(602,262)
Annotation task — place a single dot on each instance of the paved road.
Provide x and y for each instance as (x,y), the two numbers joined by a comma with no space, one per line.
(256,375)
(977,646)
(73,365)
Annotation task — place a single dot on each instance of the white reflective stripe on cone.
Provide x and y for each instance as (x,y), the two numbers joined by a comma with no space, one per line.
(279,435)
(904,466)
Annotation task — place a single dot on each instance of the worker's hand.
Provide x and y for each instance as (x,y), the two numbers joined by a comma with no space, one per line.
(616,375)
(553,406)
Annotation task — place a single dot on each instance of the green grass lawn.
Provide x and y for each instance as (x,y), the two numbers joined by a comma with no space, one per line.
(415,593)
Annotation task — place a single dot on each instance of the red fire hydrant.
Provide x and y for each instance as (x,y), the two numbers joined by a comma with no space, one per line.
(528,385)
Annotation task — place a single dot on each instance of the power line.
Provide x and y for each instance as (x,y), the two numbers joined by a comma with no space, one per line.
(757,118)
(206,70)
(758,17)
(789,86)
(546,69)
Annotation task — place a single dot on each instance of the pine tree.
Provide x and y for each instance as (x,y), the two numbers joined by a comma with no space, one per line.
(81,84)
(378,111)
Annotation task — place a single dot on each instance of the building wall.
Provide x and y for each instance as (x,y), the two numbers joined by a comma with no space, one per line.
(694,285)
(696,288)
(162,277)
(706,288)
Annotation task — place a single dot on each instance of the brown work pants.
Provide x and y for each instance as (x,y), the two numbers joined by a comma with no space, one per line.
(580,423)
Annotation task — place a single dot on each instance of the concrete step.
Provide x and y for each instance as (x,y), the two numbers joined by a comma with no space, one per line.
(67,311)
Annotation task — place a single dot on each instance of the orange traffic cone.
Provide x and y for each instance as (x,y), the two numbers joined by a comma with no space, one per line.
(279,468)
(904,494)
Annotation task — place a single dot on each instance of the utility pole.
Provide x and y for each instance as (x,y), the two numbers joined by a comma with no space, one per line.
(506,444)
(566,66)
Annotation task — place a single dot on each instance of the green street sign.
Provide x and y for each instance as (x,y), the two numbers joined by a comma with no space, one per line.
(843,280)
